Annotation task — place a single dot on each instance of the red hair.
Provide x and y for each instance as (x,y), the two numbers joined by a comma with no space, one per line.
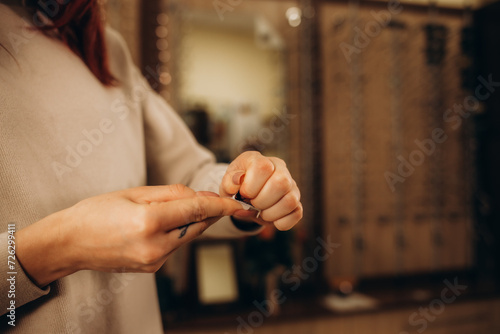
(81,27)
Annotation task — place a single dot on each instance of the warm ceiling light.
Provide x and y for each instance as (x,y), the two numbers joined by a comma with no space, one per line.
(164,56)
(162,44)
(294,16)
(161,32)
(165,78)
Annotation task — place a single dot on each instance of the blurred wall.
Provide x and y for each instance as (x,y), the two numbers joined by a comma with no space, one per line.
(221,64)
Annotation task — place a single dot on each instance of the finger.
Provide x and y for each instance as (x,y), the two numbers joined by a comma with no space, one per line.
(286,223)
(172,240)
(276,187)
(259,170)
(174,214)
(207,193)
(284,207)
(193,230)
(231,182)
(150,194)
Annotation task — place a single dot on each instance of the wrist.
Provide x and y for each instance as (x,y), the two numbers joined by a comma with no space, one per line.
(44,252)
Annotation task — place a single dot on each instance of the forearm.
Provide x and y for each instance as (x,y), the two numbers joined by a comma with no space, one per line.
(44,250)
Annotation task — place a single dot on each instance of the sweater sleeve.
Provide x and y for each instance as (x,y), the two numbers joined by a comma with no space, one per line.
(16,288)
(172,153)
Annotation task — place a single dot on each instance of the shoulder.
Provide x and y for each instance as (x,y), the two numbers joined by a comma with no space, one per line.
(120,61)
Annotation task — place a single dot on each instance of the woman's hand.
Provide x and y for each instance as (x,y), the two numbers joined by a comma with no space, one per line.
(132,230)
(267,183)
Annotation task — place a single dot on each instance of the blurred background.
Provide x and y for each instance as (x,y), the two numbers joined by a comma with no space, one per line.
(388,116)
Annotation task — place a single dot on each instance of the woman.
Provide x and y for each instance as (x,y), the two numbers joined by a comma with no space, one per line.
(81,135)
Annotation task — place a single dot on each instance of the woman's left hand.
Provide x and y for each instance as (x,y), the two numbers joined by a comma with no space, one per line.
(267,183)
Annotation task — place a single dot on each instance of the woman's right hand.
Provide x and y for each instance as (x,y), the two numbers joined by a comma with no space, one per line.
(132,230)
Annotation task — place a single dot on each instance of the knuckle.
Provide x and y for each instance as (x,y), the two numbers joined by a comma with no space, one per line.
(141,194)
(185,211)
(143,222)
(152,222)
(299,213)
(283,183)
(198,209)
(279,161)
(264,166)
(298,193)
(291,202)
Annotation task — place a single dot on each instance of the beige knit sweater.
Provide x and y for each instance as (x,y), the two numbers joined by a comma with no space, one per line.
(65,137)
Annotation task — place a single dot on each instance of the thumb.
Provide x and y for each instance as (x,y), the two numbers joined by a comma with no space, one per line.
(231,183)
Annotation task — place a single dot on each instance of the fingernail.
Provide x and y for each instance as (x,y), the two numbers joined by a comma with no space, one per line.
(238,178)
